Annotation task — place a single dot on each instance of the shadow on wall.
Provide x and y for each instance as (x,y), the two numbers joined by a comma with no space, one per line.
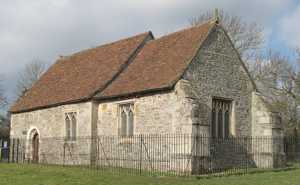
(240,153)
(222,154)
(213,154)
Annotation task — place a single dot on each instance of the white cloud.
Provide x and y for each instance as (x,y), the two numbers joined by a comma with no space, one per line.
(45,29)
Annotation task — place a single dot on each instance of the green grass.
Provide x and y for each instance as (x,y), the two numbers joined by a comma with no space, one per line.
(13,174)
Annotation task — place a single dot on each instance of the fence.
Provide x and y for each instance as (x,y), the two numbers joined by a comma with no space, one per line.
(160,154)
(4,149)
(292,149)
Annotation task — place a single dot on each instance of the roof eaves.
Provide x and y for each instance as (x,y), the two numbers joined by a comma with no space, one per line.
(146,92)
(82,100)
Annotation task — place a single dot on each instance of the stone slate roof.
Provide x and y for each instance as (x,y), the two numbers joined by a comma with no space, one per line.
(160,63)
(130,66)
(79,76)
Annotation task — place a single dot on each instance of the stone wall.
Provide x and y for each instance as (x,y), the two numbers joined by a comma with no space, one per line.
(265,121)
(156,114)
(161,153)
(164,115)
(217,71)
(50,125)
(266,124)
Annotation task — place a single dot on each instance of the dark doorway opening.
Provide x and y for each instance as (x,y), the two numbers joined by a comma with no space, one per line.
(35,148)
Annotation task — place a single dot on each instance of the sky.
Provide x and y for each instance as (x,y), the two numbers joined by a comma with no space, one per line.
(46,29)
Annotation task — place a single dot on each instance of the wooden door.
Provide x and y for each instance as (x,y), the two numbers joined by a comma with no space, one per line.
(35,148)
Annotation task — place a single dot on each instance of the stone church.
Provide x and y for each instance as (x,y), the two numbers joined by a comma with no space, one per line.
(192,81)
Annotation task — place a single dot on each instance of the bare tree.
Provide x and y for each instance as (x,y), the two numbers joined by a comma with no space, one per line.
(31,73)
(297,79)
(297,82)
(247,37)
(277,78)
(3,99)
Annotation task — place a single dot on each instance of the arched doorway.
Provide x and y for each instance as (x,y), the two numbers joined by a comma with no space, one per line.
(33,144)
(35,148)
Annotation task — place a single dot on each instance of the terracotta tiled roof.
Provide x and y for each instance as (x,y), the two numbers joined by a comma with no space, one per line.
(160,63)
(80,75)
(128,66)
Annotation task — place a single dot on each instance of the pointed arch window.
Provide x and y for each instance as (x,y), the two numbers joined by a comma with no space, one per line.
(213,123)
(74,126)
(220,125)
(68,127)
(123,123)
(226,124)
(71,126)
(130,122)
(126,120)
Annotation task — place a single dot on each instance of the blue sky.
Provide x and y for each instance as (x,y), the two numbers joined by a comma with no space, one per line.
(45,29)
(279,38)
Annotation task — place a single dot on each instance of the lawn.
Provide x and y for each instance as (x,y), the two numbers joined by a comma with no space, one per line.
(12,174)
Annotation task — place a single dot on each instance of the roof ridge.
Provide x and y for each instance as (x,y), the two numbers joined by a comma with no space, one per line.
(62,57)
(140,61)
(131,57)
(184,29)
